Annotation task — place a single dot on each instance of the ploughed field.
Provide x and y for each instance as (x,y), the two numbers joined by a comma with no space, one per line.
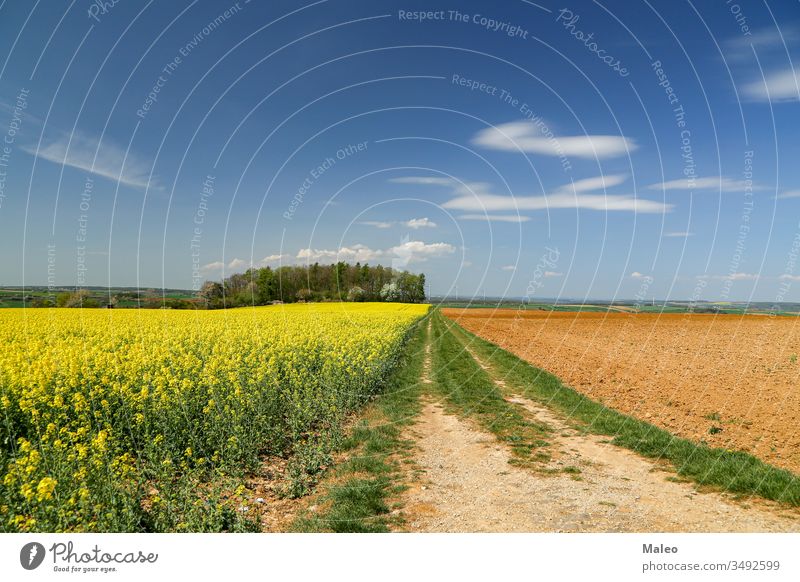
(728,380)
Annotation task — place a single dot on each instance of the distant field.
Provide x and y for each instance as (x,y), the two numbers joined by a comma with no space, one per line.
(783,309)
(120,296)
(726,380)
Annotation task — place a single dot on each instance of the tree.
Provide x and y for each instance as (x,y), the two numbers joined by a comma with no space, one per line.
(390,292)
(355,294)
(211,293)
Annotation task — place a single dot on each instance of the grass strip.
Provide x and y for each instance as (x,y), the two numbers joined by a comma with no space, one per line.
(733,471)
(468,389)
(356,495)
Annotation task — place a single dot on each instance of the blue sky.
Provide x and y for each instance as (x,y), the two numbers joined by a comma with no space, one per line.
(586,150)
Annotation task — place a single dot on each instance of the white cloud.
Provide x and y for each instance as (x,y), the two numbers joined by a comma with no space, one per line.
(637,275)
(417,223)
(108,163)
(414,223)
(508,268)
(552,274)
(495,217)
(404,253)
(425,180)
(212,267)
(476,197)
(706,183)
(597,183)
(237,265)
(789,194)
(741,276)
(376,223)
(788,277)
(272,259)
(678,234)
(528,137)
(731,277)
(766,40)
(776,86)
(358,252)
(418,251)
(493,202)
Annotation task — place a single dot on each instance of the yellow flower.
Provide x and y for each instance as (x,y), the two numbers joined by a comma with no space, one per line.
(45,488)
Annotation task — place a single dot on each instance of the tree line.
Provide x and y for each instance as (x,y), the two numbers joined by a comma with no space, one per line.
(337,282)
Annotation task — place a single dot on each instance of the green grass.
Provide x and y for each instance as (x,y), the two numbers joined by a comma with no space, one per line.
(355,498)
(468,389)
(733,471)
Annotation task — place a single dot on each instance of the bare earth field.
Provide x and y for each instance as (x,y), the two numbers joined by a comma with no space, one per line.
(728,380)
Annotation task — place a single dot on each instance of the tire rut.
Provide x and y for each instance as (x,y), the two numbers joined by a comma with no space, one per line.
(470,486)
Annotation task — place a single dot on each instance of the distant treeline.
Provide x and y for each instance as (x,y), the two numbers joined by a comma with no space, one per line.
(338,282)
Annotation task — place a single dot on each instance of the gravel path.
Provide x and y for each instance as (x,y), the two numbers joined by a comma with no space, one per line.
(468,485)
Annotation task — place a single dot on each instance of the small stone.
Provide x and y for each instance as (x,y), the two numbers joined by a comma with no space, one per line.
(259,500)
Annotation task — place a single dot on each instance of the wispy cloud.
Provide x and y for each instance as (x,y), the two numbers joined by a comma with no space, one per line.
(678,234)
(732,277)
(740,276)
(414,223)
(476,197)
(508,268)
(495,217)
(376,223)
(637,275)
(550,274)
(719,183)
(789,194)
(104,159)
(776,86)
(788,277)
(765,40)
(529,137)
(441,181)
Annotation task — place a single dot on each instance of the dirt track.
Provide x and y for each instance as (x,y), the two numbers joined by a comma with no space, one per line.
(691,374)
(469,486)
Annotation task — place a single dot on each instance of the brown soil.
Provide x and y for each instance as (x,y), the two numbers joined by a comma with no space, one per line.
(687,373)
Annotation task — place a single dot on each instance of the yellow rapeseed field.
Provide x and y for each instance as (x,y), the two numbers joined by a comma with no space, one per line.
(140,420)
